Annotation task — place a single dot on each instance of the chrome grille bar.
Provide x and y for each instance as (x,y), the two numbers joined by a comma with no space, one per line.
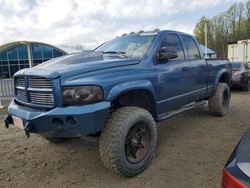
(39,82)
(42,98)
(21,95)
(20,81)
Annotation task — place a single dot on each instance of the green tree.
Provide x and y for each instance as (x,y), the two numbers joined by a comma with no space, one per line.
(228,26)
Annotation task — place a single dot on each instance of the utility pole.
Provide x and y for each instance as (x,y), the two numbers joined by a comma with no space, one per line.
(205,30)
(70,41)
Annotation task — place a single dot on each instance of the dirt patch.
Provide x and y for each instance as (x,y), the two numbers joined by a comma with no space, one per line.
(192,150)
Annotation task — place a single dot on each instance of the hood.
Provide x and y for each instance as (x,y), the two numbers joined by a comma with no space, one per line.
(79,63)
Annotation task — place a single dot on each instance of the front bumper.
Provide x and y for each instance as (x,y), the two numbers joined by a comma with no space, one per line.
(72,121)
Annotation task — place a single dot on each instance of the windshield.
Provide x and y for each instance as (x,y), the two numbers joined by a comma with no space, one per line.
(133,46)
(236,65)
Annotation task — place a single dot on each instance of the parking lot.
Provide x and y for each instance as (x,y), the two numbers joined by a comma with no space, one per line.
(192,150)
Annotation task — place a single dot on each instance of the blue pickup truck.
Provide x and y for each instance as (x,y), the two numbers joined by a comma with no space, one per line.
(118,91)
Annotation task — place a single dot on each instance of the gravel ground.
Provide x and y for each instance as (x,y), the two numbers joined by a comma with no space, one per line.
(192,150)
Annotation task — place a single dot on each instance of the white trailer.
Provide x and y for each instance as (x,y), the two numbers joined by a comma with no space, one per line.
(239,51)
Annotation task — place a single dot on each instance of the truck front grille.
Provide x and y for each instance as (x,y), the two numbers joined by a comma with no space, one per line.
(35,90)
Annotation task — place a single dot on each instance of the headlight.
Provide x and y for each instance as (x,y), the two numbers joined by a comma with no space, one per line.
(81,95)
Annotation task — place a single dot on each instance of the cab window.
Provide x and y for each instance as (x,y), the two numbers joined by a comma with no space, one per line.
(172,41)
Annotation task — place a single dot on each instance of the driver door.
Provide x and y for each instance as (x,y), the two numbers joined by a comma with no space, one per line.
(173,77)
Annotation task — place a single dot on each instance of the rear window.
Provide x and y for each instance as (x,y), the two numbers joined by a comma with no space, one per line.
(236,65)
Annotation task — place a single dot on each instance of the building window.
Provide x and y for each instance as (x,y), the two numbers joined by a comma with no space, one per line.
(57,53)
(16,57)
(23,58)
(4,65)
(42,53)
(47,52)
(13,60)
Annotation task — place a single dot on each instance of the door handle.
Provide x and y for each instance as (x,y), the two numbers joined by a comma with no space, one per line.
(185,69)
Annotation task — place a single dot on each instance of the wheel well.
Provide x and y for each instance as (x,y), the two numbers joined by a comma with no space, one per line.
(139,98)
(225,78)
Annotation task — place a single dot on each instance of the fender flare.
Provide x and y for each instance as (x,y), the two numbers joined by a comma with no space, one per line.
(124,87)
(218,76)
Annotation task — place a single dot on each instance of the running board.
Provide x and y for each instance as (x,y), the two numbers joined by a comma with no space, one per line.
(180,110)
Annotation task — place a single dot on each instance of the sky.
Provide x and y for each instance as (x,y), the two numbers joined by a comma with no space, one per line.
(92,22)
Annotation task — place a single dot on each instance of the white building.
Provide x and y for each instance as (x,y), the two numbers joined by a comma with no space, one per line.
(239,51)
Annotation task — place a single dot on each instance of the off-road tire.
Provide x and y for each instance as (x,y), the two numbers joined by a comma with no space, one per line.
(219,103)
(114,136)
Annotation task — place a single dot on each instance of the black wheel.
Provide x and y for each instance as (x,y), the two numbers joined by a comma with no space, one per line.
(55,140)
(128,142)
(219,103)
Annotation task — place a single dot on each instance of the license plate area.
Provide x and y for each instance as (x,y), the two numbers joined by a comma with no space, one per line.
(18,122)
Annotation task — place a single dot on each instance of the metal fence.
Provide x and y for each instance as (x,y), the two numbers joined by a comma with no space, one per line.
(6,89)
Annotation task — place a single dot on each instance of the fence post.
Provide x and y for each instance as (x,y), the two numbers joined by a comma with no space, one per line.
(1,106)
(1,94)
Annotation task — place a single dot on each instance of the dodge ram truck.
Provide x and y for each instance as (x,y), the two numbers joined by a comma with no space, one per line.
(119,91)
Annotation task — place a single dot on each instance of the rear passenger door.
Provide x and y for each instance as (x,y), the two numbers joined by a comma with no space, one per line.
(198,69)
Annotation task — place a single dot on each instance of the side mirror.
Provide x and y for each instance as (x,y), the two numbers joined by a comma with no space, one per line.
(166,53)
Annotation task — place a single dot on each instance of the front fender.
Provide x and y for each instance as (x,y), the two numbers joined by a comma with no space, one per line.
(124,87)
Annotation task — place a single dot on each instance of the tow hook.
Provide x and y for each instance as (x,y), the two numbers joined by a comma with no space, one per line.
(27,129)
(8,120)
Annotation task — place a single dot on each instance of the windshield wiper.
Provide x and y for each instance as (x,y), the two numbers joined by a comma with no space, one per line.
(116,52)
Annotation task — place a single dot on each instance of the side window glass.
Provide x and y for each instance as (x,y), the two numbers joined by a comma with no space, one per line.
(191,47)
(172,41)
